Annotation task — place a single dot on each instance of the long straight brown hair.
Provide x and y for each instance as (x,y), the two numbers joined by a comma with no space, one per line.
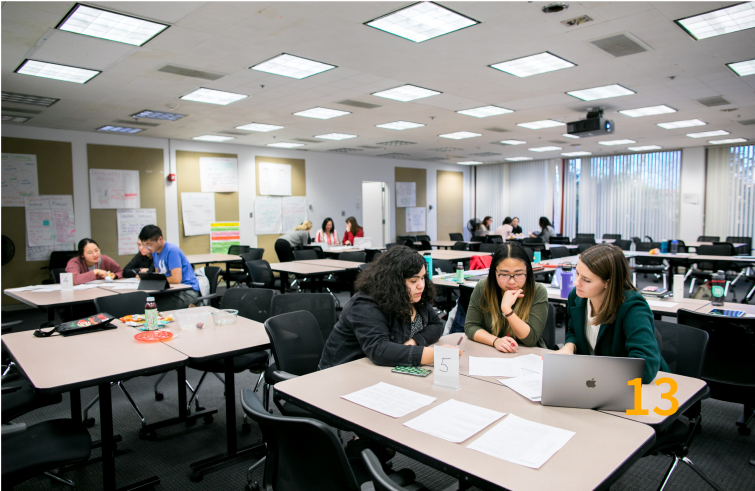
(493,294)
(608,263)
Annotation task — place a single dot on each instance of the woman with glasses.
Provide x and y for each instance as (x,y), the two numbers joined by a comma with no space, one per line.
(508,307)
(91,264)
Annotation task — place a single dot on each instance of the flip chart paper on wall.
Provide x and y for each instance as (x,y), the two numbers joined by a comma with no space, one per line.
(415,219)
(42,253)
(406,194)
(49,220)
(198,212)
(275,179)
(130,223)
(267,216)
(218,175)
(293,211)
(19,173)
(224,235)
(110,188)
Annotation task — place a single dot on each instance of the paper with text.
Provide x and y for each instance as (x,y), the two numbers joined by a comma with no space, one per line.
(454,421)
(415,219)
(111,188)
(531,363)
(529,385)
(293,212)
(267,216)
(274,179)
(130,223)
(218,174)
(49,221)
(406,194)
(198,211)
(20,178)
(494,367)
(389,399)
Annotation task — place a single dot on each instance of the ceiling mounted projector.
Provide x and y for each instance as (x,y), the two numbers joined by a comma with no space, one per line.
(594,125)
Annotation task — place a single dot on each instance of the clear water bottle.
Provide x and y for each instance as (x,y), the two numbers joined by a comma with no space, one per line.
(674,246)
(718,282)
(459,273)
(151,316)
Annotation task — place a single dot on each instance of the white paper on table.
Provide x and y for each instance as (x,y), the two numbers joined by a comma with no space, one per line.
(529,385)
(21,289)
(85,286)
(531,363)
(658,303)
(494,367)
(522,442)
(46,290)
(95,282)
(454,421)
(389,399)
(51,288)
(128,280)
(125,286)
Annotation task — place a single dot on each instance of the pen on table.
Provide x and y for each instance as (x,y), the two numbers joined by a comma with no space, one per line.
(460,340)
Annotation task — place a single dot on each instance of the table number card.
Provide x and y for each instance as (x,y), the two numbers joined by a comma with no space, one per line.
(446,368)
(66,281)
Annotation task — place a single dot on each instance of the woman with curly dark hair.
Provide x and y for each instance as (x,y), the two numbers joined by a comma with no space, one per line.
(390,319)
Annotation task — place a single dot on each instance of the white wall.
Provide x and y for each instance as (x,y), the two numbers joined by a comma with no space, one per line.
(334,181)
(692,215)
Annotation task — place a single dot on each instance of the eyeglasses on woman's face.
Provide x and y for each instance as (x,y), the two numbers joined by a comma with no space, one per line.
(508,277)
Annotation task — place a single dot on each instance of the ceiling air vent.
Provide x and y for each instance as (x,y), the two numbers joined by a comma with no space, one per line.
(435,159)
(34,100)
(557,141)
(371,147)
(305,140)
(747,122)
(230,133)
(346,150)
(394,155)
(190,72)
(446,149)
(497,130)
(24,111)
(131,121)
(485,154)
(713,101)
(395,143)
(363,105)
(619,45)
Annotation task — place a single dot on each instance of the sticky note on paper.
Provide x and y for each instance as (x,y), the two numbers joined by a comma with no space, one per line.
(46,223)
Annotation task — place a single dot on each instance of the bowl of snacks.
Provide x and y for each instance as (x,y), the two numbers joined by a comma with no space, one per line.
(224,317)
(192,319)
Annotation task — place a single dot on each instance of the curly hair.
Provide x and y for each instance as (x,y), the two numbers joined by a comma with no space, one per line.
(384,281)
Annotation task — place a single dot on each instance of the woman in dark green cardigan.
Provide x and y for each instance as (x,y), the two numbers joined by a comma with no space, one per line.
(606,316)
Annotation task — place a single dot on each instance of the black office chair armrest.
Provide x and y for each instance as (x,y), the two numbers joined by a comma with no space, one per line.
(13,428)
(207,297)
(281,376)
(257,285)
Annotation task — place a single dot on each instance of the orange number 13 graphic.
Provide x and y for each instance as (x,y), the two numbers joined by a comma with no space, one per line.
(669,396)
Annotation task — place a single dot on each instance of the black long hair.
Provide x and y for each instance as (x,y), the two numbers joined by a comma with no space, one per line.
(325,222)
(83,243)
(507,221)
(384,281)
(492,295)
(544,223)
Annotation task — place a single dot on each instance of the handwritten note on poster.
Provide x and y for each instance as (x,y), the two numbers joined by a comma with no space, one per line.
(49,220)
(293,211)
(275,179)
(406,194)
(415,219)
(19,173)
(267,216)
(198,212)
(110,188)
(218,175)
(130,223)
(42,253)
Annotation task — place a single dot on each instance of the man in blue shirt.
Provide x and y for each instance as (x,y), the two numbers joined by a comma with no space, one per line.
(170,261)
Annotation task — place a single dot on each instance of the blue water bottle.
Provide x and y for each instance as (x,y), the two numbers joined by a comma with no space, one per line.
(429,260)
(567,281)
(664,247)
(536,257)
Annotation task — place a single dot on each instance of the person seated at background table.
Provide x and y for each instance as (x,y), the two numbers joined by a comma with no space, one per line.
(91,264)
(607,316)
(327,233)
(390,319)
(140,263)
(353,230)
(504,230)
(515,228)
(546,230)
(483,228)
(508,307)
(170,260)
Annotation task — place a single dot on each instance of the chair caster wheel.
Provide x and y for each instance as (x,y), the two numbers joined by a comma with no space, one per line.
(89,422)
(159,396)
(246,428)
(744,431)
(196,476)
(208,419)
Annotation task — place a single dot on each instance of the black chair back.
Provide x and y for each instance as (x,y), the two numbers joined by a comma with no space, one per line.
(465,295)
(321,305)
(213,275)
(252,303)
(456,237)
(304,255)
(403,238)
(356,256)
(586,236)
(391,244)
(559,240)
(494,239)
(363,267)
(557,252)
(254,254)
(59,259)
(478,238)
(746,249)
(444,265)
(644,260)
(380,480)
(55,274)
(302,453)
(236,250)
(583,246)
(584,240)
(459,246)
(296,340)
(530,252)
(318,250)
(709,238)
(283,250)
(423,237)
(425,245)
(636,240)
(683,348)
(715,250)
(549,331)
(488,247)
(625,245)
(372,254)
(729,246)
(123,304)
(260,272)
(612,236)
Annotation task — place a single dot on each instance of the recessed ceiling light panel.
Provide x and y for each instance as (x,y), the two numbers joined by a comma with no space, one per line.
(422,21)
(406,93)
(647,111)
(533,65)
(285,145)
(512,142)
(539,125)
(321,113)
(119,129)
(34,100)
(518,159)
(292,66)
(730,140)
(742,68)
(722,21)
(567,135)
(485,111)
(604,92)
(469,162)
(212,96)
(15,119)
(644,148)
(158,115)
(617,142)
(213,138)
(57,72)
(400,125)
(544,149)
(682,124)
(110,26)
(576,154)
(460,135)
(262,128)
(335,136)
(706,134)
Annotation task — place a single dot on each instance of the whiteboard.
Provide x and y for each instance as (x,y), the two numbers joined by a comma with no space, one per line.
(110,188)
(49,220)
(406,194)
(415,219)
(293,211)
(275,179)
(267,216)
(198,212)
(20,179)
(130,223)
(218,175)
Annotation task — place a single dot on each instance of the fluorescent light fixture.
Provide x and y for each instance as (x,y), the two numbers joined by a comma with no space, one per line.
(604,92)
(718,22)
(539,125)
(57,72)
(533,65)
(485,111)
(617,142)
(706,134)
(742,68)
(212,96)
(285,145)
(730,140)
(263,128)
(576,154)
(469,162)
(213,138)
(518,159)
(119,129)
(512,142)
(567,135)
(336,136)
(421,21)
(682,124)
(647,111)
(644,148)
(110,26)
(158,115)
(460,135)
(544,149)
(292,66)
(321,113)
(15,119)
(399,125)
(34,100)
(406,93)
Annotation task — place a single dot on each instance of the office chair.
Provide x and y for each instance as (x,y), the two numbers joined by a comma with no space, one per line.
(236,250)
(746,249)
(320,305)
(444,265)
(55,275)
(404,238)
(459,246)
(583,240)
(612,236)
(492,247)
(559,240)
(582,247)
(260,274)
(383,481)
(704,270)
(493,239)
(728,369)
(709,238)
(478,238)
(425,246)
(423,237)
(317,249)
(456,237)
(624,245)
(653,265)
(304,255)
(465,295)
(212,273)
(530,252)
(363,267)
(355,256)
(391,244)
(372,254)
(58,260)
(586,236)
(241,275)
(557,252)
(549,332)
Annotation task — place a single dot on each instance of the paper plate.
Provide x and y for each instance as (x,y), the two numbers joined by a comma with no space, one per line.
(153,336)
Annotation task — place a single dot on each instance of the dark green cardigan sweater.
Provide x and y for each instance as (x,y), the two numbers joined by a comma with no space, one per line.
(631,335)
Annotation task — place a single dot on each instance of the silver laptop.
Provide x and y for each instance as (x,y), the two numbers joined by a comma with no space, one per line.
(589,382)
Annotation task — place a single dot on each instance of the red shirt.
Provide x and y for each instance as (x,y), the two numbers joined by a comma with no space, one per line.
(350,237)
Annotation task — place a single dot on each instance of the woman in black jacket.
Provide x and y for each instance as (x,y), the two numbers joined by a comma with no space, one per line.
(141,263)
(390,319)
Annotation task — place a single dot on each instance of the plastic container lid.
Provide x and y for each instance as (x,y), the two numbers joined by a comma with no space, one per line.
(150,299)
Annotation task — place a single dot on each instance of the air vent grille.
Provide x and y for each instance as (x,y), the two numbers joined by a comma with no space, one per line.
(371,147)
(435,159)
(34,100)
(305,140)
(485,154)
(363,105)
(231,133)
(394,155)
(446,149)
(346,150)
(713,101)
(190,72)
(747,122)
(395,143)
(24,111)
(621,45)
(497,129)
(136,123)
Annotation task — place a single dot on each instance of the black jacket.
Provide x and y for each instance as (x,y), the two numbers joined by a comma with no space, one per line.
(516,230)
(365,330)
(138,262)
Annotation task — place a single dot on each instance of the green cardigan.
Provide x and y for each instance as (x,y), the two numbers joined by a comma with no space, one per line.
(477,319)
(631,335)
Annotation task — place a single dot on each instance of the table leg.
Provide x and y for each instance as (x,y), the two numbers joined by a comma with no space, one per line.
(50,314)
(284,280)
(183,410)
(75,396)
(106,429)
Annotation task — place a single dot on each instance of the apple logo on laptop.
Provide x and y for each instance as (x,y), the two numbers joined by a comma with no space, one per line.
(590,383)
